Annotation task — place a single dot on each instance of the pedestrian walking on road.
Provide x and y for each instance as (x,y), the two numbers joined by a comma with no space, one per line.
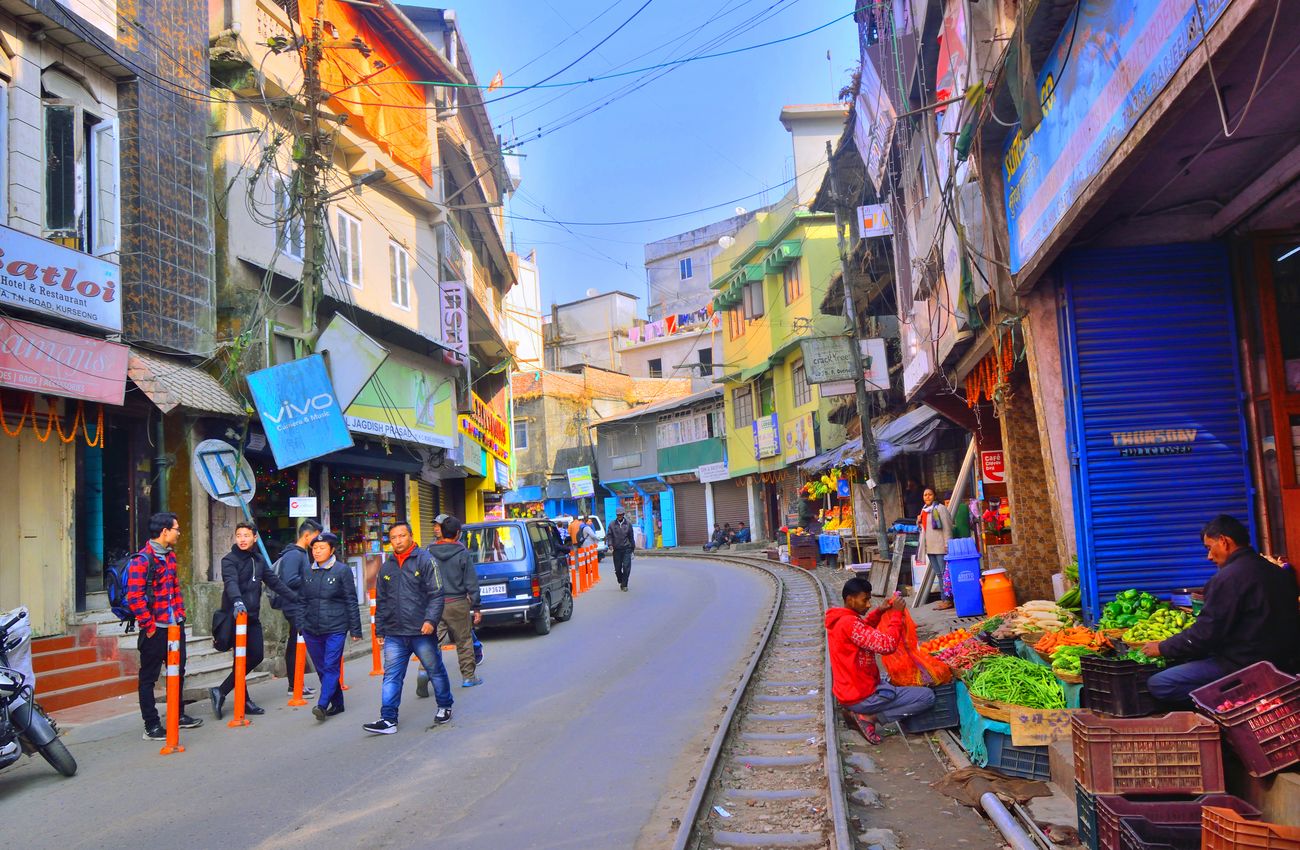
(935,527)
(154,596)
(623,543)
(460,613)
(587,534)
(293,564)
(243,572)
(328,601)
(408,606)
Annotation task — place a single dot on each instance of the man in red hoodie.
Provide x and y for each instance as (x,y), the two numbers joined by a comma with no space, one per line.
(854,637)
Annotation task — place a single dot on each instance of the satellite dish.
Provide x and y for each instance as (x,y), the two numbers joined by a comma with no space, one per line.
(726,242)
(592,292)
(740,211)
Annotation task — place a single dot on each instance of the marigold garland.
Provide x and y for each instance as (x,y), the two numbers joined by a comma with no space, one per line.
(54,422)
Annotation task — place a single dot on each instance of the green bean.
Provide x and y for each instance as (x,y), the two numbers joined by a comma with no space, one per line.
(1016,682)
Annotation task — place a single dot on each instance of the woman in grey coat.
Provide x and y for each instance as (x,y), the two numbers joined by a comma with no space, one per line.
(935,527)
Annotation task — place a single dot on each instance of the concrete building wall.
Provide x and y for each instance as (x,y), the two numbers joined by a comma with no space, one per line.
(678,357)
(627,450)
(523,315)
(591,331)
(669,291)
(811,127)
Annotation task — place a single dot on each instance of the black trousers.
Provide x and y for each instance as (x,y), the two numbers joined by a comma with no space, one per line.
(256,651)
(291,655)
(622,565)
(153,656)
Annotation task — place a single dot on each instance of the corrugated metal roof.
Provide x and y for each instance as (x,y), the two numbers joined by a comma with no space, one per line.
(664,406)
(170,384)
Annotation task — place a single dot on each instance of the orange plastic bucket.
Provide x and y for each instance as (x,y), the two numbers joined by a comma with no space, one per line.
(999,595)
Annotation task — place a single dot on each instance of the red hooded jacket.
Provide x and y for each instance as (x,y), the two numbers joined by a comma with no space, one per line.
(853,643)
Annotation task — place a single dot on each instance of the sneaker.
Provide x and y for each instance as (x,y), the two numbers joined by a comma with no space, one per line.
(318,711)
(422,688)
(218,701)
(306,691)
(381,727)
(624,586)
(188,722)
(155,733)
(441,716)
(471,682)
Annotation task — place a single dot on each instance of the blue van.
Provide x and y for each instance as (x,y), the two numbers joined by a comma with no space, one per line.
(523,572)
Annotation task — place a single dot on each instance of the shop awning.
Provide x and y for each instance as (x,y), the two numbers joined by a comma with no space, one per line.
(376,460)
(522,495)
(915,432)
(170,384)
(558,490)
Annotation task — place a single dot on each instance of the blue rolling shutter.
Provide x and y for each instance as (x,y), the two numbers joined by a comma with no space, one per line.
(668,518)
(1153,410)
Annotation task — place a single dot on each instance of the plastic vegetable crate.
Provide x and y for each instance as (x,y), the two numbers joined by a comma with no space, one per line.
(1085,807)
(1117,687)
(1142,834)
(941,715)
(1265,730)
(1160,809)
(1025,762)
(1178,753)
(1224,829)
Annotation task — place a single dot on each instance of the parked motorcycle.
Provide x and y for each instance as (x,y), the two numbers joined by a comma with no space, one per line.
(24,725)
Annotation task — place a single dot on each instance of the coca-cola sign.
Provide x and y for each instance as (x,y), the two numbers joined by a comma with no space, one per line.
(45,360)
(43,277)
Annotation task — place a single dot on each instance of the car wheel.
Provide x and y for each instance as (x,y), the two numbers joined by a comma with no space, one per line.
(542,625)
(564,611)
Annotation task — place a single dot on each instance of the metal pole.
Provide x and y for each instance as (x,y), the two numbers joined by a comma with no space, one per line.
(870,452)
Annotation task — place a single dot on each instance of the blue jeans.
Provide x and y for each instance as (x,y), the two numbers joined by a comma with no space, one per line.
(1175,684)
(889,703)
(397,652)
(326,653)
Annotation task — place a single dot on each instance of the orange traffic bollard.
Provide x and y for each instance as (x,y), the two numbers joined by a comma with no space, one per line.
(173,691)
(575,565)
(343,686)
(595,564)
(241,667)
(376,652)
(299,670)
(587,552)
(573,577)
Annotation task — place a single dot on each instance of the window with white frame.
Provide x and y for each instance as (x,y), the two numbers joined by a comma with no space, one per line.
(742,405)
(755,306)
(691,426)
(521,435)
(289,232)
(347,242)
(799,380)
(684,269)
(80,178)
(625,448)
(399,275)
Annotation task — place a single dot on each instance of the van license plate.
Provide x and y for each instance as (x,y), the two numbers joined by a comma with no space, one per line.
(492,590)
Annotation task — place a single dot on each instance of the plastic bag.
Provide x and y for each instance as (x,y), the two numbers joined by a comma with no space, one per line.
(910,665)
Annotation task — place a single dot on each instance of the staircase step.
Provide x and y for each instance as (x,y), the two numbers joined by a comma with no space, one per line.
(44,645)
(71,677)
(82,694)
(46,662)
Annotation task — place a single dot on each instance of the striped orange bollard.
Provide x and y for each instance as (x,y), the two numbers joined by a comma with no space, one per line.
(595,563)
(173,691)
(376,652)
(575,573)
(343,686)
(591,571)
(241,668)
(299,671)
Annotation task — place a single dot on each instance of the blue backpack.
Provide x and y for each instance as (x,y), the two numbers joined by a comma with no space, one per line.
(115,582)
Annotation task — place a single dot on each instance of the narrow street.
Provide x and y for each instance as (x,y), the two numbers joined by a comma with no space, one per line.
(571,742)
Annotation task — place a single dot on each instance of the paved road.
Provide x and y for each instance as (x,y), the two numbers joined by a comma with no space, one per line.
(571,743)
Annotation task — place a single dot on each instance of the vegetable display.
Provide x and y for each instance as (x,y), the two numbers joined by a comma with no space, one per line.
(1015,681)
(1034,617)
(933,645)
(1072,600)
(1128,609)
(1068,659)
(964,655)
(1074,636)
(989,625)
(1163,623)
(1142,658)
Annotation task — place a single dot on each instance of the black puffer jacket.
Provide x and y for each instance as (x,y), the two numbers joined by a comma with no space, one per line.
(243,574)
(619,535)
(407,595)
(328,601)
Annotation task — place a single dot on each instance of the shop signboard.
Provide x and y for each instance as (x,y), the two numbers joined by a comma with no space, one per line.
(873,220)
(800,438)
(44,277)
(873,124)
(352,357)
(502,471)
(302,506)
(403,403)
(472,457)
(45,360)
(713,472)
(484,426)
(454,316)
(830,389)
(875,364)
(580,483)
(767,436)
(828,358)
(1090,107)
(299,412)
(993,467)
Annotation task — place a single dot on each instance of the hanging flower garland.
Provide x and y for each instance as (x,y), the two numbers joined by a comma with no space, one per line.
(54,422)
(990,380)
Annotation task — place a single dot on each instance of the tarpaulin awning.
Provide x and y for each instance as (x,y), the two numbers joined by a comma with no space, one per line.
(915,432)
(558,490)
(170,384)
(522,495)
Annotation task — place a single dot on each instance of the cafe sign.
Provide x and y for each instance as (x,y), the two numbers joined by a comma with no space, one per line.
(44,277)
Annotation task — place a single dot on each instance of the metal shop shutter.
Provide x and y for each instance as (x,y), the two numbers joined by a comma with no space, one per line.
(692,524)
(730,503)
(1153,412)
(427,503)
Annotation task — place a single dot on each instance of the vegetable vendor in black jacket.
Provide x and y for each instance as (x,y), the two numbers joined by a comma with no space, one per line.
(1250,615)
(243,572)
(328,614)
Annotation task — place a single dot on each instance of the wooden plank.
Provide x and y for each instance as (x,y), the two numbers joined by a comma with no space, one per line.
(1037,727)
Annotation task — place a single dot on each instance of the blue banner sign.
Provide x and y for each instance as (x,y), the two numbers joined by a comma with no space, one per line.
(299,411)
(1112,60)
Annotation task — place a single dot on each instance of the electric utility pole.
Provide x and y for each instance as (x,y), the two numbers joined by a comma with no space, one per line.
(307,152)
(870,452)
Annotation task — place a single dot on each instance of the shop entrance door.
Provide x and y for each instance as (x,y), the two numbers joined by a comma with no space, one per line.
(104,520)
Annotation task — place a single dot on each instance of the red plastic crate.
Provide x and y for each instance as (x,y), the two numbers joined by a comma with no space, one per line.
(1266,731)
(1224,829)
(1178,753)
(1159,809)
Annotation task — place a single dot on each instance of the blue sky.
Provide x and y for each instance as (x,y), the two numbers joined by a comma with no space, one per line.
(706,133)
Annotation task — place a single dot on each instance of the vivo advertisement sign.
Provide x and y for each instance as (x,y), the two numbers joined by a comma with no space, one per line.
(299,410)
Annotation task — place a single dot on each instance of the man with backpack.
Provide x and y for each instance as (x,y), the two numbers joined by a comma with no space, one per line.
(153,596)
(293,562)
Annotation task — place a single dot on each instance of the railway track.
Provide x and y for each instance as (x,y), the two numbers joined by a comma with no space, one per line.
(772,777)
